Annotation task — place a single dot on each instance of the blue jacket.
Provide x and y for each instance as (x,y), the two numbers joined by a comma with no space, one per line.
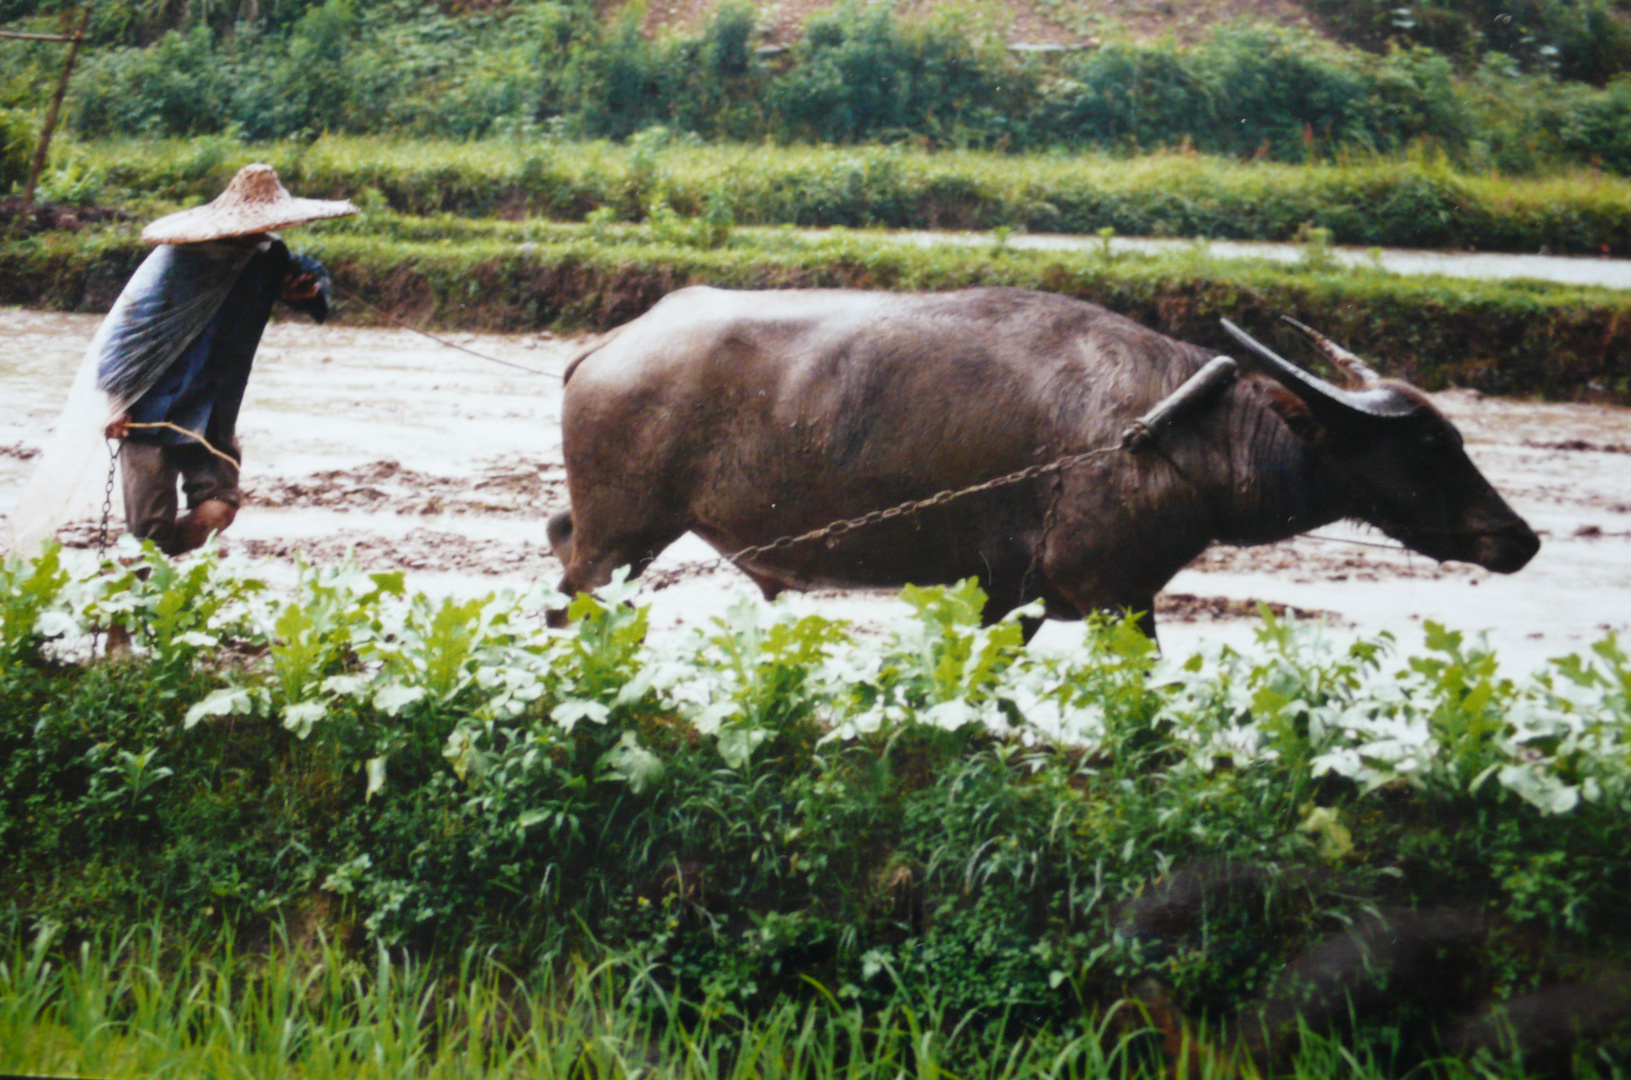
(204,387)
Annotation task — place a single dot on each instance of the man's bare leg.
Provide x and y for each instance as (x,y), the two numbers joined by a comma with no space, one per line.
(195,526)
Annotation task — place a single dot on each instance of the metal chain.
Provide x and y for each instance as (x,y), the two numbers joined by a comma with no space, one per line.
(107,500)
(939,498)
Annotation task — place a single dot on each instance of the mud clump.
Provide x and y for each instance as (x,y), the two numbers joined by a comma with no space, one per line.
(1186,607)
(1578,445)
(514,488)
(1312,561)
(419,549)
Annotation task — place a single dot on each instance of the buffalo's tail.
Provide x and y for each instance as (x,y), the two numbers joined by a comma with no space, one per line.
(559,531)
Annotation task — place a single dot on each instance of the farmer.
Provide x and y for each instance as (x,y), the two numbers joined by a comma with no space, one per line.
(178,344)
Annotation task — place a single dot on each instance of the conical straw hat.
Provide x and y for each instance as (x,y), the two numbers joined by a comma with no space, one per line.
(253,203)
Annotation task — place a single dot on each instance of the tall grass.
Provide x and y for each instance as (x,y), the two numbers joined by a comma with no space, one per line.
(146,1006)
(1412,201)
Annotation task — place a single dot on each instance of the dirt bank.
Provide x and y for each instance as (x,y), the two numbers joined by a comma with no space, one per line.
(407,455)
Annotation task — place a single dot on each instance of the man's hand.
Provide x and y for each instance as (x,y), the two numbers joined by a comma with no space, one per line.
(300,287)
(118,427)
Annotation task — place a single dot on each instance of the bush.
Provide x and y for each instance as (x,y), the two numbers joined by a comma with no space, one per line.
(860,74)
(1596,127)
(1588,40)
(178,87)
(1254,92)
(619,86)
(314,87)
(19,139)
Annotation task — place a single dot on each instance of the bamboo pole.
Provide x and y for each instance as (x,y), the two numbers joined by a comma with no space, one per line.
(18,35)
(74,42)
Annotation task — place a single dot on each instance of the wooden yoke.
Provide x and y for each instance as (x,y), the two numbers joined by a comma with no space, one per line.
(1218,373)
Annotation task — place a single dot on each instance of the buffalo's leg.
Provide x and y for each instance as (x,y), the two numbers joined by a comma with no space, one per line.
(769,587)
(591,551)
(998,607)
(1013,578)
(1087,599)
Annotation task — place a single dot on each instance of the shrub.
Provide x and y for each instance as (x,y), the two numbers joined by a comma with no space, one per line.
(1254,91)
(1595,127)
(930,814)
(618,85)
(1587,40)
(314,84)
(18,140)
(178,87)
(861,74)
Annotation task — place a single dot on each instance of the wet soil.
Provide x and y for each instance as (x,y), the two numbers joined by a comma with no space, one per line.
(384,447)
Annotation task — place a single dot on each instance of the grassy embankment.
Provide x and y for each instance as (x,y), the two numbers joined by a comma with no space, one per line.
(1406,202)
(1526,338)
(774,827)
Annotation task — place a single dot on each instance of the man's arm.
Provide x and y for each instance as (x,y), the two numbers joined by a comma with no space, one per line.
(306,287)
(300,287)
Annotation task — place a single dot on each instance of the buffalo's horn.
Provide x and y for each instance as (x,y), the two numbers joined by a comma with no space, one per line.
(1350,365)
(1320,396)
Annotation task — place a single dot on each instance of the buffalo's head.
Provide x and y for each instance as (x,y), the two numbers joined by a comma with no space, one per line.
(1401,461)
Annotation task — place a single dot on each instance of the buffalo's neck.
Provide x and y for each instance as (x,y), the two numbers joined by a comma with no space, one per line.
(1278,486)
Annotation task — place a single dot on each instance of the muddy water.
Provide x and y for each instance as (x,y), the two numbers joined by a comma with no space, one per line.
(1489,266)
(405,454)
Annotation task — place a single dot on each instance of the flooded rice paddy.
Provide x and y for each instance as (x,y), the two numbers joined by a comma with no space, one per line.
(382,446)
(1482,265)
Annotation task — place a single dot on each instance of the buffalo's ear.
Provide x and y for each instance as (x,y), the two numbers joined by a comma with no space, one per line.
(1290,408)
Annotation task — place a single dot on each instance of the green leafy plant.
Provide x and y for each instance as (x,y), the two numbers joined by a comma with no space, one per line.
(926,817)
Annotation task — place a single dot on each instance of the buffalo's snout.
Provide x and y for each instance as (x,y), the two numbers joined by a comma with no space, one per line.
(1506,551)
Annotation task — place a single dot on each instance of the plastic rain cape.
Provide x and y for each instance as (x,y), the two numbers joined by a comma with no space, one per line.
(167,302)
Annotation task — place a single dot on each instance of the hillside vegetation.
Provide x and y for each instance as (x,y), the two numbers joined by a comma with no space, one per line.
(1531,86)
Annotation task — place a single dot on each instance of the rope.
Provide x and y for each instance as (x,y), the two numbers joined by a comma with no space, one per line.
(113,466)
(382,313)
(228,458)
(939,498)
(1135,435)
(1345,540)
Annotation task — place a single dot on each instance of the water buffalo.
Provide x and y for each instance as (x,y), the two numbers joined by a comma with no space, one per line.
(747,416)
